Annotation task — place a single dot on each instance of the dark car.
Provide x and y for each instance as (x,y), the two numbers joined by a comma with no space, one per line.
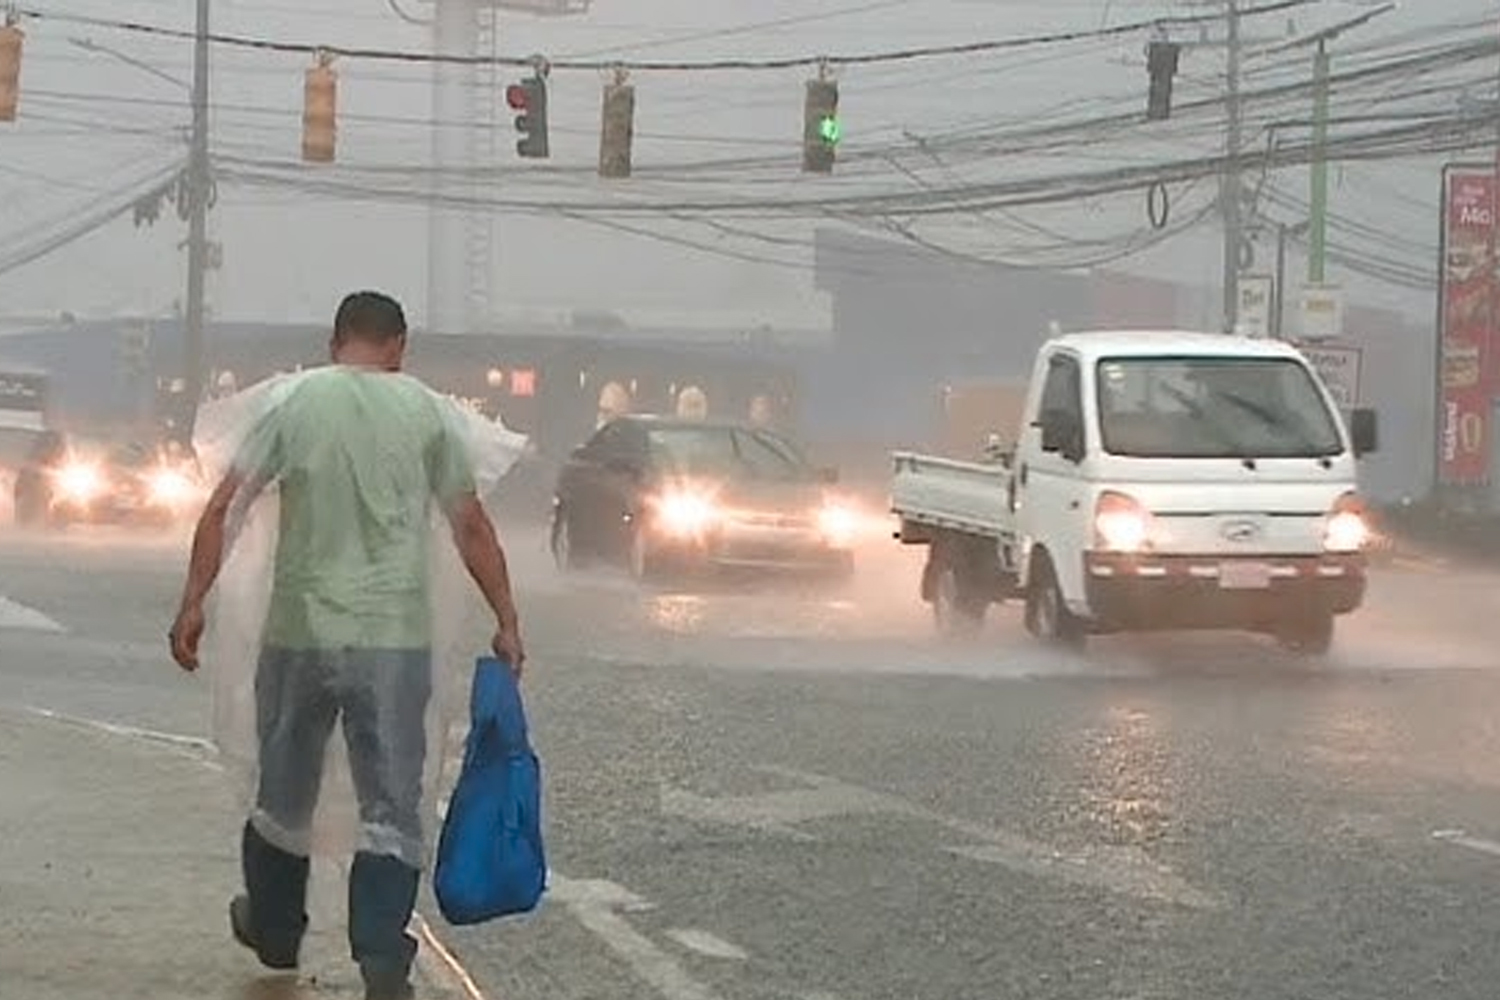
(656,494)
(66,480)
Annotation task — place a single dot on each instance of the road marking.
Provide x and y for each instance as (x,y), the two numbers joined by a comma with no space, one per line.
(708,944)
(197,748)
(598,905)
(21,618)
(778,812)
(1459,838)
(451,971)
(1123,870)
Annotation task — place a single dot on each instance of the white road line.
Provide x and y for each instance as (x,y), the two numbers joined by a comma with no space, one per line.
(445,969)
(195,747)
(21,618)
(707,944)
(1459,838)
(596,904)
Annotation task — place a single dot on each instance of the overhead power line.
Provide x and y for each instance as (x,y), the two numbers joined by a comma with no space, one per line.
(686,66)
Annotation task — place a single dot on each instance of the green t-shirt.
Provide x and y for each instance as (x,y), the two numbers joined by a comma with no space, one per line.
(359,456)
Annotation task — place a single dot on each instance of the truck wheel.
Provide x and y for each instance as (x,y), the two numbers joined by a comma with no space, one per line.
(955,610)
(1047,614)
(1309,634)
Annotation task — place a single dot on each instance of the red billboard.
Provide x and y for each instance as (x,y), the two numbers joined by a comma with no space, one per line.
(1467,322)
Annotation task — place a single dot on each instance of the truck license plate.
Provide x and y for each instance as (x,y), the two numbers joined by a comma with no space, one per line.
(1244,576)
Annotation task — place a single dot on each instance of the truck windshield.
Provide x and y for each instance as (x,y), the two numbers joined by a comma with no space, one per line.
(1213,407)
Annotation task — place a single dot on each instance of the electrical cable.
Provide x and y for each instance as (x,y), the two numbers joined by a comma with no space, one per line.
(711,65)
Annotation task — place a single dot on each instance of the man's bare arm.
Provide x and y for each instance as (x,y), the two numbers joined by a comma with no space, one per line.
(479,547)
(208,542)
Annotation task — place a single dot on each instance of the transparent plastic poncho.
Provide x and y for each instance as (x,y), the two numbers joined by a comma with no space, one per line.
(238,604)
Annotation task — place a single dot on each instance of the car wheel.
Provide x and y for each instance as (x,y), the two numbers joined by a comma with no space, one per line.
(1047,614)
(564,553)
(1310,634)
(956,614)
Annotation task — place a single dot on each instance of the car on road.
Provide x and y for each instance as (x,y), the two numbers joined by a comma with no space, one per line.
(664,495)
(67,480)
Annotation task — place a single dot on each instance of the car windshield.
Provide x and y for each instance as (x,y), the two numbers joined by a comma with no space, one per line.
(727,451)
(1213,407)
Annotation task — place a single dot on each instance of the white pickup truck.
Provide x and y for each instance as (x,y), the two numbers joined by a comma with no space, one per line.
(1158,481)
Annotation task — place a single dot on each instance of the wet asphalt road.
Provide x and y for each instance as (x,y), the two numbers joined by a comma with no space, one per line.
(773,795)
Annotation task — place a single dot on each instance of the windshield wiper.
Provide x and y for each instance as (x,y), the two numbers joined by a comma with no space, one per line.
(1218,430)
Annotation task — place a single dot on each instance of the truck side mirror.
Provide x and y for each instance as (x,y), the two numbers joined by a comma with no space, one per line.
(1364,431)
(1062,433)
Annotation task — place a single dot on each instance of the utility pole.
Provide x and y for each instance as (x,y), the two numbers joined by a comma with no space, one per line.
(1317,243)
(1229,193)
(199,187)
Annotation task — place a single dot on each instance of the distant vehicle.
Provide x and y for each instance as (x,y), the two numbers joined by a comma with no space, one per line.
(66,480)
(657,495)
(1158,481)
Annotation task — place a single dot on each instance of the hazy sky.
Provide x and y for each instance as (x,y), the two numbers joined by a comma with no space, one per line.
(91,125)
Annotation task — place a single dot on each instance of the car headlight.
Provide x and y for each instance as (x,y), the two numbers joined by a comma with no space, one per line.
(838,524)
(684,514)
(1347,530)
(169,487)
(80,481)
(1121,524)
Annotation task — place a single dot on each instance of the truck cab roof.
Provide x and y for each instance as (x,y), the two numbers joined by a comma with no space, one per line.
(1094,345)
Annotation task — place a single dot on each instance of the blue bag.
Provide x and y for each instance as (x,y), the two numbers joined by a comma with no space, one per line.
(490,860)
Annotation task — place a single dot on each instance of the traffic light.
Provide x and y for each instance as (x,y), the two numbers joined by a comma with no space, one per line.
(320,113)
(820,127)
(529,99)
(618,129)
(1161,62)
(11,37)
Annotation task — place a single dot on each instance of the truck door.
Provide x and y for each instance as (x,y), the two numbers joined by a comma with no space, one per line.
(1052,491)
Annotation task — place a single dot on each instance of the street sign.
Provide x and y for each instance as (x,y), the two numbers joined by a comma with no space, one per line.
(1322,312)
(1253,315)
(1339,368)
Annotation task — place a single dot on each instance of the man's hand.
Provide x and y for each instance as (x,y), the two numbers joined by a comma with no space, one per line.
(507,646)
(186,633)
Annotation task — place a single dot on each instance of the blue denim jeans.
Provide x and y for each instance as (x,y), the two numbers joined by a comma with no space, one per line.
(381,698)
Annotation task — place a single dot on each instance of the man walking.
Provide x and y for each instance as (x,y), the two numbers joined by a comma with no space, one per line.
(360,454)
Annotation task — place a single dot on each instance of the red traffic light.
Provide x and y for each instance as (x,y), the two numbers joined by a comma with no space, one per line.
(517,96)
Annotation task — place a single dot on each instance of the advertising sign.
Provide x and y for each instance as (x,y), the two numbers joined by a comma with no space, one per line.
(1322,312)
(1466,326)
(1257,294)
(1338,366)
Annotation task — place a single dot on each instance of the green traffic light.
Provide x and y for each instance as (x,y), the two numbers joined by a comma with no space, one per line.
(830,129)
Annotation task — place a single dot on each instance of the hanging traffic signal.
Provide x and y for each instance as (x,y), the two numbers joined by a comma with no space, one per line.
(11,38)
(529,99)
(617,132)
(320,113)
(1161,63)
(821,130)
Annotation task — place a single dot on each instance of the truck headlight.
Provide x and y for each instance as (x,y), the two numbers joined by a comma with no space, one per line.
(1121,524)
(1347,529)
